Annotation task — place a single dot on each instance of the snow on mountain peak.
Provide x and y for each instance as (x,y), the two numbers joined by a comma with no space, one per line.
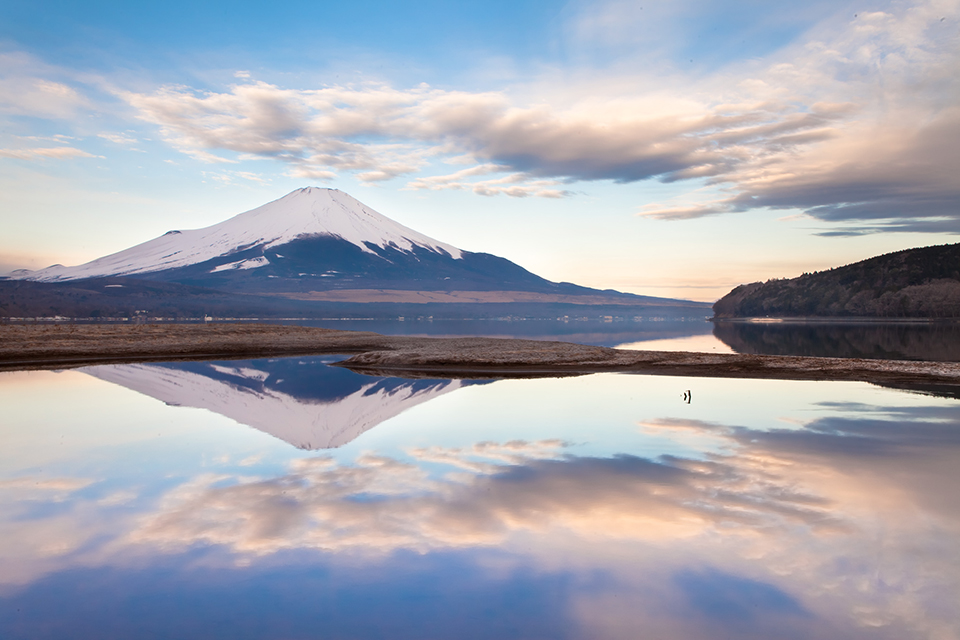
(306,212)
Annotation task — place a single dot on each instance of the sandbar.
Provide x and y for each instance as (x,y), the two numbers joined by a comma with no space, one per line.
(67,345)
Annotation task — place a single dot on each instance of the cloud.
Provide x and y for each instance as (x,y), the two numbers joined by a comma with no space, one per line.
(27,90)
(235,177)
(514,185)
(371,131)
(687,211)
(311,174)
(892,162)
(55,153)
(854,121)
(382,133)
(118,138)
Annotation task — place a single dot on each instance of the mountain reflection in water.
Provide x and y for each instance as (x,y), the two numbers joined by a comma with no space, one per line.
(594,507)
(299,400)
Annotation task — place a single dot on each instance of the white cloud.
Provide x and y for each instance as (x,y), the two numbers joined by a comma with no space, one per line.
(26,89)
(235,177)
(381,133)
(56,153)
(515,185)
(118,138)
(311,174)
(40,484)
(688,211)
(854,121)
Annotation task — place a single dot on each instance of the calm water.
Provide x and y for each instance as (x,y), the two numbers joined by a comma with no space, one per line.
(205,500)
(938,341)
(887,340)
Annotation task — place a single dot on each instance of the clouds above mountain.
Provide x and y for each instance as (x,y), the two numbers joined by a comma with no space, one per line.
(855,122)
(383,133)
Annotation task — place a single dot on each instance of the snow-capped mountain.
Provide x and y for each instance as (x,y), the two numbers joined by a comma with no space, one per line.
(308,241)
(305,213)
(314,253)
(301,401)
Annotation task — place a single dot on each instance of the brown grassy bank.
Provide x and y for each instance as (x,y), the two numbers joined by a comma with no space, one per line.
(68,345)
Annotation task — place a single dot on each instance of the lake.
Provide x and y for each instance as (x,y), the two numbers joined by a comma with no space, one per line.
(847,338)
(285,498)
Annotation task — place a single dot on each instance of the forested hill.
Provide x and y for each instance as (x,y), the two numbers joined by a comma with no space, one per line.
(914,283)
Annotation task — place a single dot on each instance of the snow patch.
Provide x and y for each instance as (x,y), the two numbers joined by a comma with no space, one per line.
(242,372)
(252,263)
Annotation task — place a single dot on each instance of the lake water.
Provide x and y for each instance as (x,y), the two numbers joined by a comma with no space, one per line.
(904,340)
(289,499)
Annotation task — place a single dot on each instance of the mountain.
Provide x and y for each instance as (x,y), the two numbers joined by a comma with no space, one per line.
(252,240)
(299,400)
(914,283)
(312,253)
(310,240)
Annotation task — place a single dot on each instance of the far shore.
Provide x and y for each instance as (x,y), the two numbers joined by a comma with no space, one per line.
(60,346)
(848,320)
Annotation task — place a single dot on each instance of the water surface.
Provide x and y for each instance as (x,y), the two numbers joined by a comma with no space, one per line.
(935,341)
(287,499)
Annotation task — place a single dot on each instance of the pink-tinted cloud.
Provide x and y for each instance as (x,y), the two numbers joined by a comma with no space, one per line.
(54,153)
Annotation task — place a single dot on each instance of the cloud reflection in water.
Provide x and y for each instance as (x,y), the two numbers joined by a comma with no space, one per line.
(844,521)
(839,525)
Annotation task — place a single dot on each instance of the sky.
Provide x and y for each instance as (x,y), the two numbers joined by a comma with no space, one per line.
(664,148)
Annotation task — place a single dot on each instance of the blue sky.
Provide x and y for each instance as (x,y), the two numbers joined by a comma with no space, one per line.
(671,149)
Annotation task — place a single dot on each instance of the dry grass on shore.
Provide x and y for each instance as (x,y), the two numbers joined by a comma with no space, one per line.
(73,345)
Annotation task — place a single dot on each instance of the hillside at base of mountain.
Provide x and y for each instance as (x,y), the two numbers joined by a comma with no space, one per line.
(103,298)
(914,283)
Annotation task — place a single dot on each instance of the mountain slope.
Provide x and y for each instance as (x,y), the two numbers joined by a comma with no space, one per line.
(914,283)
(325,263)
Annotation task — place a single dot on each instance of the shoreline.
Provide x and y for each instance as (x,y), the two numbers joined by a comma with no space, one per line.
(37,347)
(838,320)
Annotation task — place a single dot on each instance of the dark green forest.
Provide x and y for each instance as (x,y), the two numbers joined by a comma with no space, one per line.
(914,283)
